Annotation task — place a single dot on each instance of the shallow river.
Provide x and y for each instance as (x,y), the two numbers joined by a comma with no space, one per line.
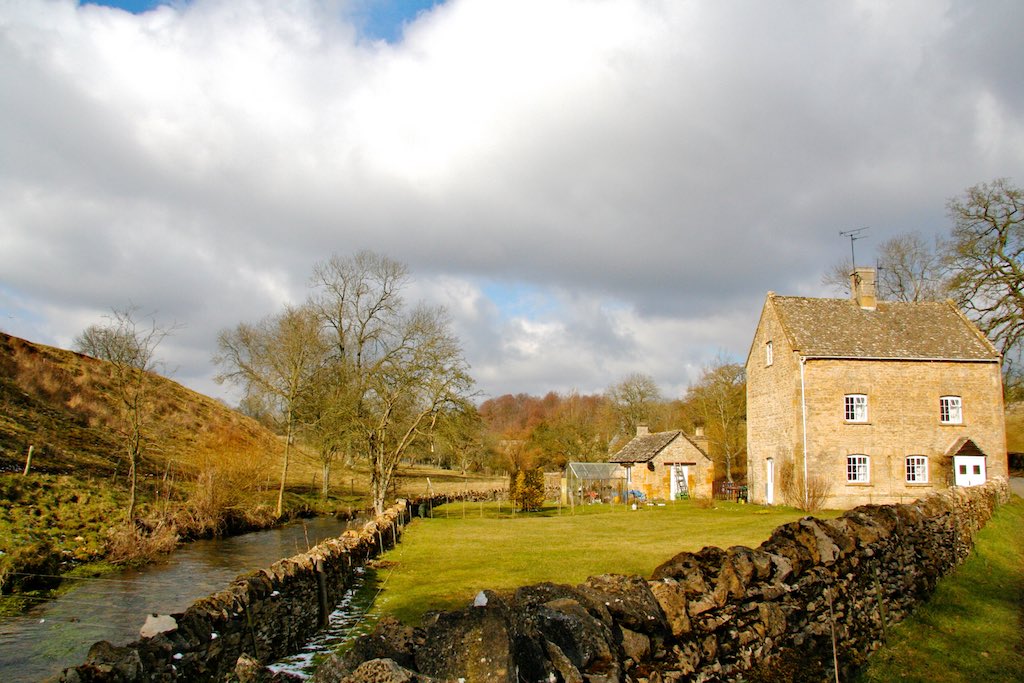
(58,633)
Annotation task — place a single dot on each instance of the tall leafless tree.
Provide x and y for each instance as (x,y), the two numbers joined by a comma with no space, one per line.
(396,369)
(986,259)
(129,346)
(634,400)
(717,401)
(278,359)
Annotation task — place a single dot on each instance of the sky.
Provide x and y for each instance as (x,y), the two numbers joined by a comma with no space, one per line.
(592,188)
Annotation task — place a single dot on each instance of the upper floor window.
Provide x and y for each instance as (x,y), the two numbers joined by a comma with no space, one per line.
(769,354)
(858,469)
(951,410)
(856,409)
(917,469)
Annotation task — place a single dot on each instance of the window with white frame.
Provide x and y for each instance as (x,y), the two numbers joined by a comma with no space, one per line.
(856,407)
(857,469)
(769,354)
(917,469)
(951,410)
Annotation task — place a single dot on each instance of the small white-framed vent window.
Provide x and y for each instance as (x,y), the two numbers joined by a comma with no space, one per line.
(951,410)
(629,474)
(917,469)
(856,407)
(769,354)
(858,468)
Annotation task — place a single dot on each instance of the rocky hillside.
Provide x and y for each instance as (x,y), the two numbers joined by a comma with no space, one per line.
(63,404)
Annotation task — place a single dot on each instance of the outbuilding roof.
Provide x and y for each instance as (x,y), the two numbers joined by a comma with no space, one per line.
(840,328)
(595,471)
(645,447)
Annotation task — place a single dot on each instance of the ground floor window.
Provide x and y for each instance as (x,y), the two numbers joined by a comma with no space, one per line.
(917,469)
(857,469)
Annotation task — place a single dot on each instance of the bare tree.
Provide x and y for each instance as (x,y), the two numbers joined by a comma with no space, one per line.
(422,374)
(633,400)
(129,346)
(718,402)
(279,359)
(358,300)
(460,432)
(986,258)
(397,370)
(910,269)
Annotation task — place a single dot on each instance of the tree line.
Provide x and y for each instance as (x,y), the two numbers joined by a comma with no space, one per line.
(547,432)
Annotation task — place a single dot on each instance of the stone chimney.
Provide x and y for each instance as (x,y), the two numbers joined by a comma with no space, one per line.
(641,429)
(699,438)
(862,288)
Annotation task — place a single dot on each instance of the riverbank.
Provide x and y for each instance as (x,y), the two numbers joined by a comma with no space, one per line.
(62,525)
(53,524)
(58,632)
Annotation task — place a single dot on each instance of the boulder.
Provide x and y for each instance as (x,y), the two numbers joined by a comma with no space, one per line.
(629,600)
(473,643)
(157,623)
(390,640)
(383,671)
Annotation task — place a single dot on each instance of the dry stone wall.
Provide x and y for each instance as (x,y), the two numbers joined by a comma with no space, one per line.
(265,614)
(816,592)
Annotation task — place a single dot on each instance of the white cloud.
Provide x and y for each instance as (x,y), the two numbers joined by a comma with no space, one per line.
(591,188)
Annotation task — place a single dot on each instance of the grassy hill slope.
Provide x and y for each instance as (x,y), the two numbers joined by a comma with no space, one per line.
(63,404)
(205,468)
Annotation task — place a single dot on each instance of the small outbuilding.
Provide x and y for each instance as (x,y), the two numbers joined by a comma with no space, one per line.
(666,465)
(593,482)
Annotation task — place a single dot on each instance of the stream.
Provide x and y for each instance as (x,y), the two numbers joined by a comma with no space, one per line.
(58,633)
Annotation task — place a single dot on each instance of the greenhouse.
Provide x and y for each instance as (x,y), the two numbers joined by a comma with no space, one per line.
(595,482)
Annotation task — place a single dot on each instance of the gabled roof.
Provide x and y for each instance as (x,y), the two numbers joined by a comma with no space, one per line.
(644,448)
(965,446)
(840,328)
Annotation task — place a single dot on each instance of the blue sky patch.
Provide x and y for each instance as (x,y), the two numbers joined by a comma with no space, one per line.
(521,300)
(374,19)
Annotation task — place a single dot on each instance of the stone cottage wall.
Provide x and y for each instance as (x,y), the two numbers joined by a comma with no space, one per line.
(903,420)
(765,614)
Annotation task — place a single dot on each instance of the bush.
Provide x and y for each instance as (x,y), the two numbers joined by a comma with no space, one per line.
(528,492)
(137,544)
(791,486)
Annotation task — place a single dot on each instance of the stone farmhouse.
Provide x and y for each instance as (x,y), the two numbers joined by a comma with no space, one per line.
(667,465)
(854,401)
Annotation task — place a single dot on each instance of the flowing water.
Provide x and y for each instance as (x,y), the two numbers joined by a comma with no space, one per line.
(57,633)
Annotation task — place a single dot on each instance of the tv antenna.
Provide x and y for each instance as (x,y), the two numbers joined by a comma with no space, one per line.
(854,235)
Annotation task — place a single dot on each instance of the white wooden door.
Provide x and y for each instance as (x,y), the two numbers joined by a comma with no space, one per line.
(678,482)
(969,470)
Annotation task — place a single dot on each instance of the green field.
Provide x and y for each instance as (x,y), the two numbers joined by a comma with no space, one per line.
(443,562)
(970,629)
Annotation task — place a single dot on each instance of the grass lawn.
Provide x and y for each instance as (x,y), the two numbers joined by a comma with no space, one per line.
(442,563)
(970,629)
